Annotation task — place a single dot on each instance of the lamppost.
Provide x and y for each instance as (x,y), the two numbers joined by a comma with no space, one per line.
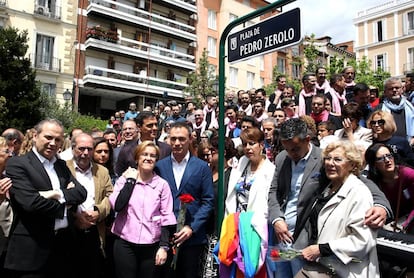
(67,96)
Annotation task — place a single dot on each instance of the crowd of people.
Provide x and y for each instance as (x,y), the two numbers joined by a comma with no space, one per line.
(319,172)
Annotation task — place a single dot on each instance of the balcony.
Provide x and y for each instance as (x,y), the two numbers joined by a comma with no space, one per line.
(137,49)
(408,67)
(45,62)
(48,12)
(130,81)
(3,3)
(131,15)
(387,6)
(188,5)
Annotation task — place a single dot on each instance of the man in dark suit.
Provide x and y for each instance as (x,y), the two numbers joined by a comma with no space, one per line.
(295,185)
(42,196)
(187,174)
(147,125)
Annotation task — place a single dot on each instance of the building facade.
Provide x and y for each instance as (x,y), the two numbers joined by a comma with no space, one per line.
(51,39)
(385,35)
(133,50)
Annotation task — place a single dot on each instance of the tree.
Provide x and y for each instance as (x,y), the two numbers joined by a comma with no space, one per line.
(311,54)
(364,73)
(17,82)
(201,81)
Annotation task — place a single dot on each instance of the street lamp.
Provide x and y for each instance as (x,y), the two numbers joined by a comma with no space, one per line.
(215,86)
(67,95)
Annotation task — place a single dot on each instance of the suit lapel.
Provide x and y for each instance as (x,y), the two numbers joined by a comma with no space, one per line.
(38,166)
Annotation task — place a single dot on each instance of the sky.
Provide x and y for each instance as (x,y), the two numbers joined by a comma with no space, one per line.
(331,18)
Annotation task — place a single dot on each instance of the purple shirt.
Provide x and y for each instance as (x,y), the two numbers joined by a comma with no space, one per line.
(149,208)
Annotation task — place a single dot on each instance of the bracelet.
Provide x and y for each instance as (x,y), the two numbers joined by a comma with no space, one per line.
(166,248)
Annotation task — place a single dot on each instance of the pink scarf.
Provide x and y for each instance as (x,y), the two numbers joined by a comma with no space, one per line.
(302,103)
(336,101)
(322,117)
(325,86)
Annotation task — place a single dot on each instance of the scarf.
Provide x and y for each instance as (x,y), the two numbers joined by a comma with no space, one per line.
(321,117)
(302,102)
(325,86)
(230,127)
(337,98)
(199,128)
(409,113)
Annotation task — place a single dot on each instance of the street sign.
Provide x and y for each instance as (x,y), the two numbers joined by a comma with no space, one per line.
(274,33)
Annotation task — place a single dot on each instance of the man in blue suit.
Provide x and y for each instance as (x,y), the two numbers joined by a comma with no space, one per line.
(187,174)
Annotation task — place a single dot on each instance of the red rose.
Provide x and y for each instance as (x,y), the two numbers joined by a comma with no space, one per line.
(186,198)
(274,253)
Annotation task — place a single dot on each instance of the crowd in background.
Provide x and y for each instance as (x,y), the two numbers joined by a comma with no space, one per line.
(118,212)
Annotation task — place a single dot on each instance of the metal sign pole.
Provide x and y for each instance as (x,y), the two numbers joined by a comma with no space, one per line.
(226,32)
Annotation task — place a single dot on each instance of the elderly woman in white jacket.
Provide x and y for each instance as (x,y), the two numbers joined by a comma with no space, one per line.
(344,245)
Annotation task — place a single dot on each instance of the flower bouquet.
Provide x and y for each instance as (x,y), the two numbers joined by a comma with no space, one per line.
(185,199)
(282,252)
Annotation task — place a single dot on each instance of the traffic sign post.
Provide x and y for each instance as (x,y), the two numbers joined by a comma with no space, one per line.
(222,62)
(276,32)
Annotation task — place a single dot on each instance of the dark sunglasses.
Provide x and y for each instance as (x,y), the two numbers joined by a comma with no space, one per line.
(385,157)
(379,122)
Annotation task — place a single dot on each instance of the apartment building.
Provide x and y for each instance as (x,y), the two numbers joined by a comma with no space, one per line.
(214,16)
(133,50)
(385,35)
(51,27)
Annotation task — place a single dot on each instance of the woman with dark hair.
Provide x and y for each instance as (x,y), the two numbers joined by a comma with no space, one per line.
(352,131)
(396,181)
(103,155)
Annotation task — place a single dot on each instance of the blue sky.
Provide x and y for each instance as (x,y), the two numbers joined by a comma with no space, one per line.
(330,17)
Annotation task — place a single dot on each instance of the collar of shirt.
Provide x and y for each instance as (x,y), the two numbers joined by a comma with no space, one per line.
(305,158)
(43,159)
(151,183)
(184,161)
(84,172)
(139,142)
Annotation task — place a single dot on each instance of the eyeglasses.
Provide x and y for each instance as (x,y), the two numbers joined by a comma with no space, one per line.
(6,151)
(385,157)
(82,149)
(336,160)
(207,155)
(379,122)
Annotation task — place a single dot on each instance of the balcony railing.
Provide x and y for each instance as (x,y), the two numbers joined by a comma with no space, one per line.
(135,15)
(45,62)
(382,7)
(121,79)
(53,13)
(408,67)
(145,51)
(3,3)
(190,5)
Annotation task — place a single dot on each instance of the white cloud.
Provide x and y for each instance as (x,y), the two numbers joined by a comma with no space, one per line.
(330,18)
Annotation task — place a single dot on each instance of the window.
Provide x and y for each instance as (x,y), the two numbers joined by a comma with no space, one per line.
(212,69)
(233,76)
(212,20)
(212,43)
(250,79)
(261,82)
(295,70)
(410,65)
(410,17)
(49,89)
(251,62)
(380,62)
(378,31)
(44,52)
(261,62)
(281,65)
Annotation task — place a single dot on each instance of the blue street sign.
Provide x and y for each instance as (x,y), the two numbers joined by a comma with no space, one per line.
(276,32)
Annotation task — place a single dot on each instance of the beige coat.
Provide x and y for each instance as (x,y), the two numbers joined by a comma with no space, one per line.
(341,224)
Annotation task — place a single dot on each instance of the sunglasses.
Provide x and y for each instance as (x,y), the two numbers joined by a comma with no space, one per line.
(379,122)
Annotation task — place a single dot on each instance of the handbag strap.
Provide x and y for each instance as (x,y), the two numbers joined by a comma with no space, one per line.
(398,203)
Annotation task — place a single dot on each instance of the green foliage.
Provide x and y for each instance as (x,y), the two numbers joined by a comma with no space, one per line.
(368,76)
(336,65)
(270,88)
(311,53)
(87,123)
(201,81)
(17,82)
(70,119)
